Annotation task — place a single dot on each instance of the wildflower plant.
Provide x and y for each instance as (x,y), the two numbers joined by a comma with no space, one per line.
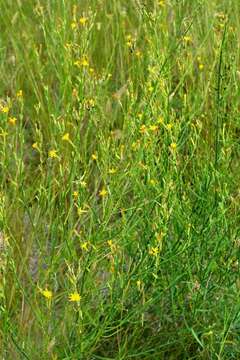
(119,164)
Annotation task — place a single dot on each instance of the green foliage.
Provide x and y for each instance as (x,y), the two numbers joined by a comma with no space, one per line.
(119,199)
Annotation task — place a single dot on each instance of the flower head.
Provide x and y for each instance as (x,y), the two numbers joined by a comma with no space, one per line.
(74,297)
(139,284)
(35,145)
(83,20)
(73,25)
(66,137)
(52,153)
(12,121)
(187,39)
(75,194)
(81,211)
(94,156)
(112,246)
(74,93)
(169,126)
(83,184)
(19,93)
(82,62)
(4,109)
(173,146)
(154,251)
(85,245)
(103,193)
(112,171)
(160,120)
(130,41)
(143,129)
(153,128)
(47,293)
(90,103)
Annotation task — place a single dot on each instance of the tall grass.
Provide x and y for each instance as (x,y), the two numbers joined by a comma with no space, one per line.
(119,198)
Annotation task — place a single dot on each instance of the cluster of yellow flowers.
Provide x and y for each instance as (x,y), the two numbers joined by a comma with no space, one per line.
(154,251)
(84,62)
(5,108)
(152,128)
(82,22)
(73,297)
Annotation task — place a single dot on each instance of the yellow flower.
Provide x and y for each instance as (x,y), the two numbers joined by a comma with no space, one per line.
(150,88)
(154,251)
(75,93)
(52,153)
(139,284)
(173,146)
(200,63)
(73,25)
(103,193)
(112,245)
(12,121)
(83,62)
(169,126)
(81,211)
(130,41)
(135,145)
(77,63)
(110,242)
(153,70)
(152,182)
(143,129)
(94,156)
(19,93)
(83,184)
(138,53)
(75,194)
(5,109)
(90,103)
(74,297)
(160,120)
(68,46)
(35,145)
(85,245)
(83,20)
(66,137)
(47,293)
(187,39)
(153,128)
(112,171)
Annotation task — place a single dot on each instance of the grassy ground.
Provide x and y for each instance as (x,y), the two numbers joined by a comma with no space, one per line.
(119,198)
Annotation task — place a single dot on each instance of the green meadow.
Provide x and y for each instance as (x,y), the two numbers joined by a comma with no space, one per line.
(119,179)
